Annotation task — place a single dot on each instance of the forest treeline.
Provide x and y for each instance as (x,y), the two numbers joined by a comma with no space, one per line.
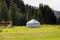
(19,13)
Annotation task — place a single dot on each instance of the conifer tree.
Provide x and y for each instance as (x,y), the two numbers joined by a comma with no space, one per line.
(4,11)
(28,13)
(39,15)
(13,13)
(0,12)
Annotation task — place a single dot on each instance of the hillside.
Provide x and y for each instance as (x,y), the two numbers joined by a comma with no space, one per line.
(57,13)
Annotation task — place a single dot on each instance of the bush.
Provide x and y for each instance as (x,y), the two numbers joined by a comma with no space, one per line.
(1,30)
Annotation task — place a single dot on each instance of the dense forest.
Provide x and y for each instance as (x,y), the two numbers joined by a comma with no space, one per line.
(19,13)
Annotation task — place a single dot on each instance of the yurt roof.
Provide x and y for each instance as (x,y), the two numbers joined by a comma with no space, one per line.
(33,21)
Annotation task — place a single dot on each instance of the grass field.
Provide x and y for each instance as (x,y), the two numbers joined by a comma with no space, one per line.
(45,32)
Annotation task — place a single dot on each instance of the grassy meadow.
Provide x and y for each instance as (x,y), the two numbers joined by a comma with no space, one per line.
(45,32)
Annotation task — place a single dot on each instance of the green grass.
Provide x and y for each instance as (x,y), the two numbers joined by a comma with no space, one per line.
(45,32)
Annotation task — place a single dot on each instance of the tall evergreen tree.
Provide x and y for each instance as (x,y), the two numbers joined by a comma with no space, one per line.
(4,11)
(40,16)
(48,15)
(13,13)
(58,20)
(0,12)
(20,4)
(28,13)
(22,19)
(8,3)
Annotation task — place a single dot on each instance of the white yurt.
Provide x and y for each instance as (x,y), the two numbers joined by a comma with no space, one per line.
(33,24)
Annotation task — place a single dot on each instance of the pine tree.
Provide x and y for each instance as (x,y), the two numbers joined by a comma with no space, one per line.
(48,15)
(28,11)
(0,12)
(4,11)
(39,15)
(22,19)
(13,13)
